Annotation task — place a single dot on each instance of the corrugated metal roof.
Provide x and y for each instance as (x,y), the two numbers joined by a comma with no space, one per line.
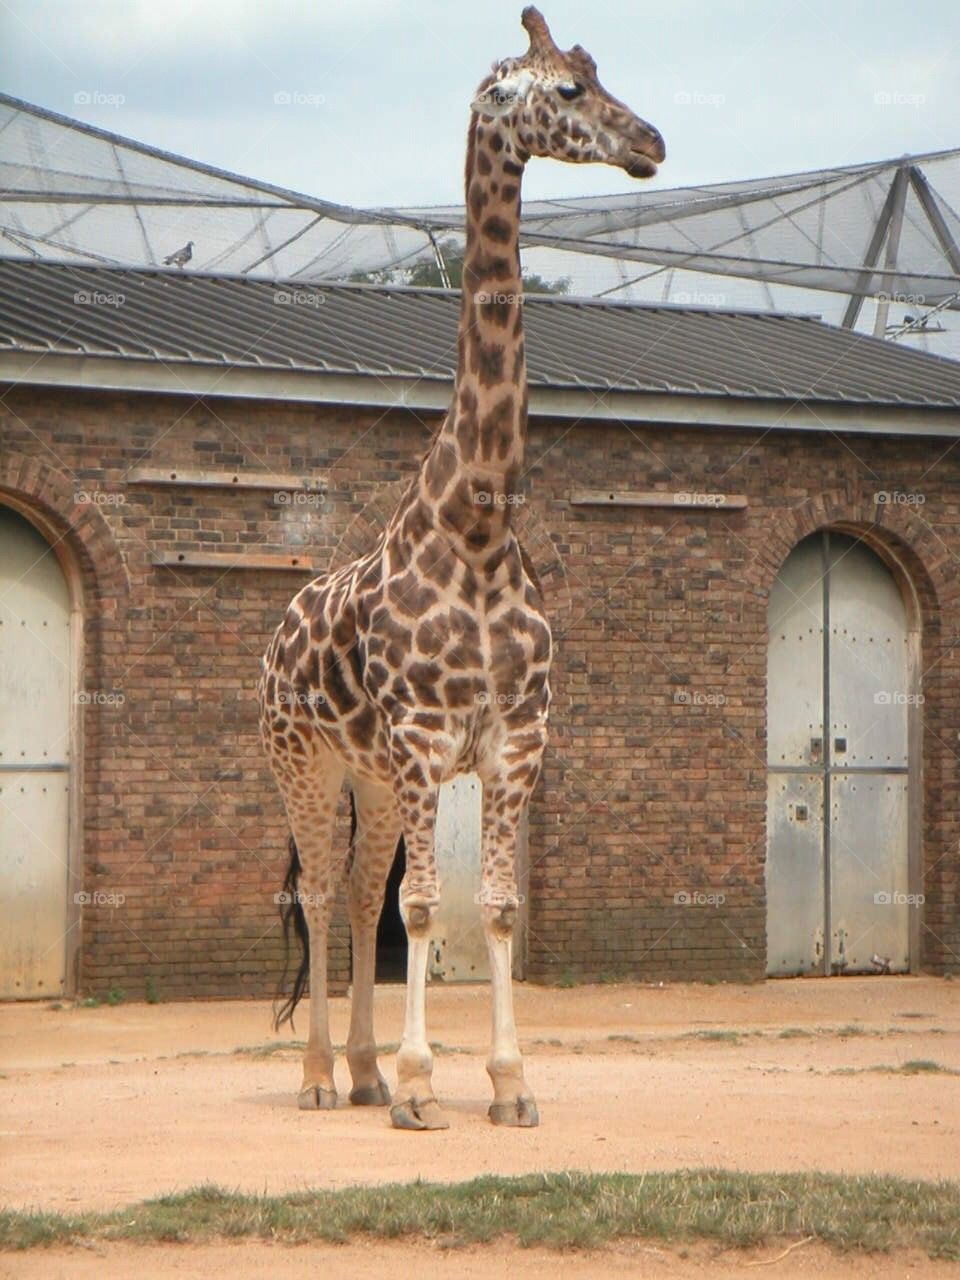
(368,330)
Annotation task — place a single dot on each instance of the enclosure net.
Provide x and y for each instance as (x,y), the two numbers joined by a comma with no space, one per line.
(873,246)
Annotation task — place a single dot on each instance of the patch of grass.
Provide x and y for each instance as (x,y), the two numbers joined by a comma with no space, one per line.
(915,1067)
(566,979)
(55,1007)
(150,993)
(625,1036)
(793,1033)
(88,1002)
(271,1047)
(297,1046)
(116,995)
(715,1036)
(559,1210)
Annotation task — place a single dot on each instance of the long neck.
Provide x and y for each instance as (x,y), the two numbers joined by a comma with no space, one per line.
(479,450)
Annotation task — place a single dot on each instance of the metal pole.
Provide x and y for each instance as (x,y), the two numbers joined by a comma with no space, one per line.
(899,192)
(438,256)
(852,312)
(935,218)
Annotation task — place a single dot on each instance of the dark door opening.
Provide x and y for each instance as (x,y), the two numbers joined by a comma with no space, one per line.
(391,935)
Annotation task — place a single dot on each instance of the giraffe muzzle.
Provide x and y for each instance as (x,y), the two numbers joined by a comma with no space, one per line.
(646,151)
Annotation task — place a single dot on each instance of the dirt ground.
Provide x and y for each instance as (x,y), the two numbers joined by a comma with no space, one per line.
(102,1106)
(375,1261)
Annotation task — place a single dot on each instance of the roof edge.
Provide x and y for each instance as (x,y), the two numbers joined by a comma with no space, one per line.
(101,373)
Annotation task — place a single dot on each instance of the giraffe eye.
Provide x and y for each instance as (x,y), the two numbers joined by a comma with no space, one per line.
(569,91)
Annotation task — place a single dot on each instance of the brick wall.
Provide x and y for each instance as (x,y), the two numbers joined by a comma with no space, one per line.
(642,796)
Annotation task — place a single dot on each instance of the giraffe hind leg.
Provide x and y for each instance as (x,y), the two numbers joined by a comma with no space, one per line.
(376,831)
(310,797)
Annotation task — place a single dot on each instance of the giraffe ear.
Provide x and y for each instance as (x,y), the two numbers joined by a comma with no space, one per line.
(500,97)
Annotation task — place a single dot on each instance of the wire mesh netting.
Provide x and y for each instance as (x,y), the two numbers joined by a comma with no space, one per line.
(873,246)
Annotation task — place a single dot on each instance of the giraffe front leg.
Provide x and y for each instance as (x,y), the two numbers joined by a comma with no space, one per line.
(513,1102)
(414,1104)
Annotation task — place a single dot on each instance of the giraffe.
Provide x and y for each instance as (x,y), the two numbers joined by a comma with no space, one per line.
(430,655)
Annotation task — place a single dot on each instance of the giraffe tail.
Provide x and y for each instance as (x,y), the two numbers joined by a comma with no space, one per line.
(291,914)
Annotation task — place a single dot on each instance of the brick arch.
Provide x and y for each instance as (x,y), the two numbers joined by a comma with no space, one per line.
(47,497)
(897,532)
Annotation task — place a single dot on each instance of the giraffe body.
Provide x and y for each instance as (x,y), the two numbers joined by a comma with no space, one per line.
(430,655)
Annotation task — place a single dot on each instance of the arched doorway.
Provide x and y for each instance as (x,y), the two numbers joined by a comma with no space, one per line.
(840,698)
(36,706)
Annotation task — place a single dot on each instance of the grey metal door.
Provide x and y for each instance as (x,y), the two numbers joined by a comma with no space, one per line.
(458,944)
(459,948)
(838,689)
(34,762)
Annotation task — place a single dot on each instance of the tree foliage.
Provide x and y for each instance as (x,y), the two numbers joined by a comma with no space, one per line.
(426,274)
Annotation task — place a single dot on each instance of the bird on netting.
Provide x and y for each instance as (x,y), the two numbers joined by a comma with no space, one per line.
(181,257)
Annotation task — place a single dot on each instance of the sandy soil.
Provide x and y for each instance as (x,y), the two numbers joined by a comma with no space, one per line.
(375,1261)
(102,1106)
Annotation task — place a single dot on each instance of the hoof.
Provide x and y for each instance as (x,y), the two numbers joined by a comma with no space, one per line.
(418,1115)
(316,1098)
(521,1114)
(371,1095)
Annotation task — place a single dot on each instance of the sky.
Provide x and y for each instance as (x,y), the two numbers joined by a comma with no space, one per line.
(365,102)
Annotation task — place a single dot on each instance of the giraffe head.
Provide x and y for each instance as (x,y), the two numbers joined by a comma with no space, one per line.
(550,103)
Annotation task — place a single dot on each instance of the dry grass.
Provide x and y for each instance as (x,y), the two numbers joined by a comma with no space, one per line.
(556,1210)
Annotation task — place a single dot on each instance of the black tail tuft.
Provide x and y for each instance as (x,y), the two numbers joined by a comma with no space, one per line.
(353,823)
(291,913)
